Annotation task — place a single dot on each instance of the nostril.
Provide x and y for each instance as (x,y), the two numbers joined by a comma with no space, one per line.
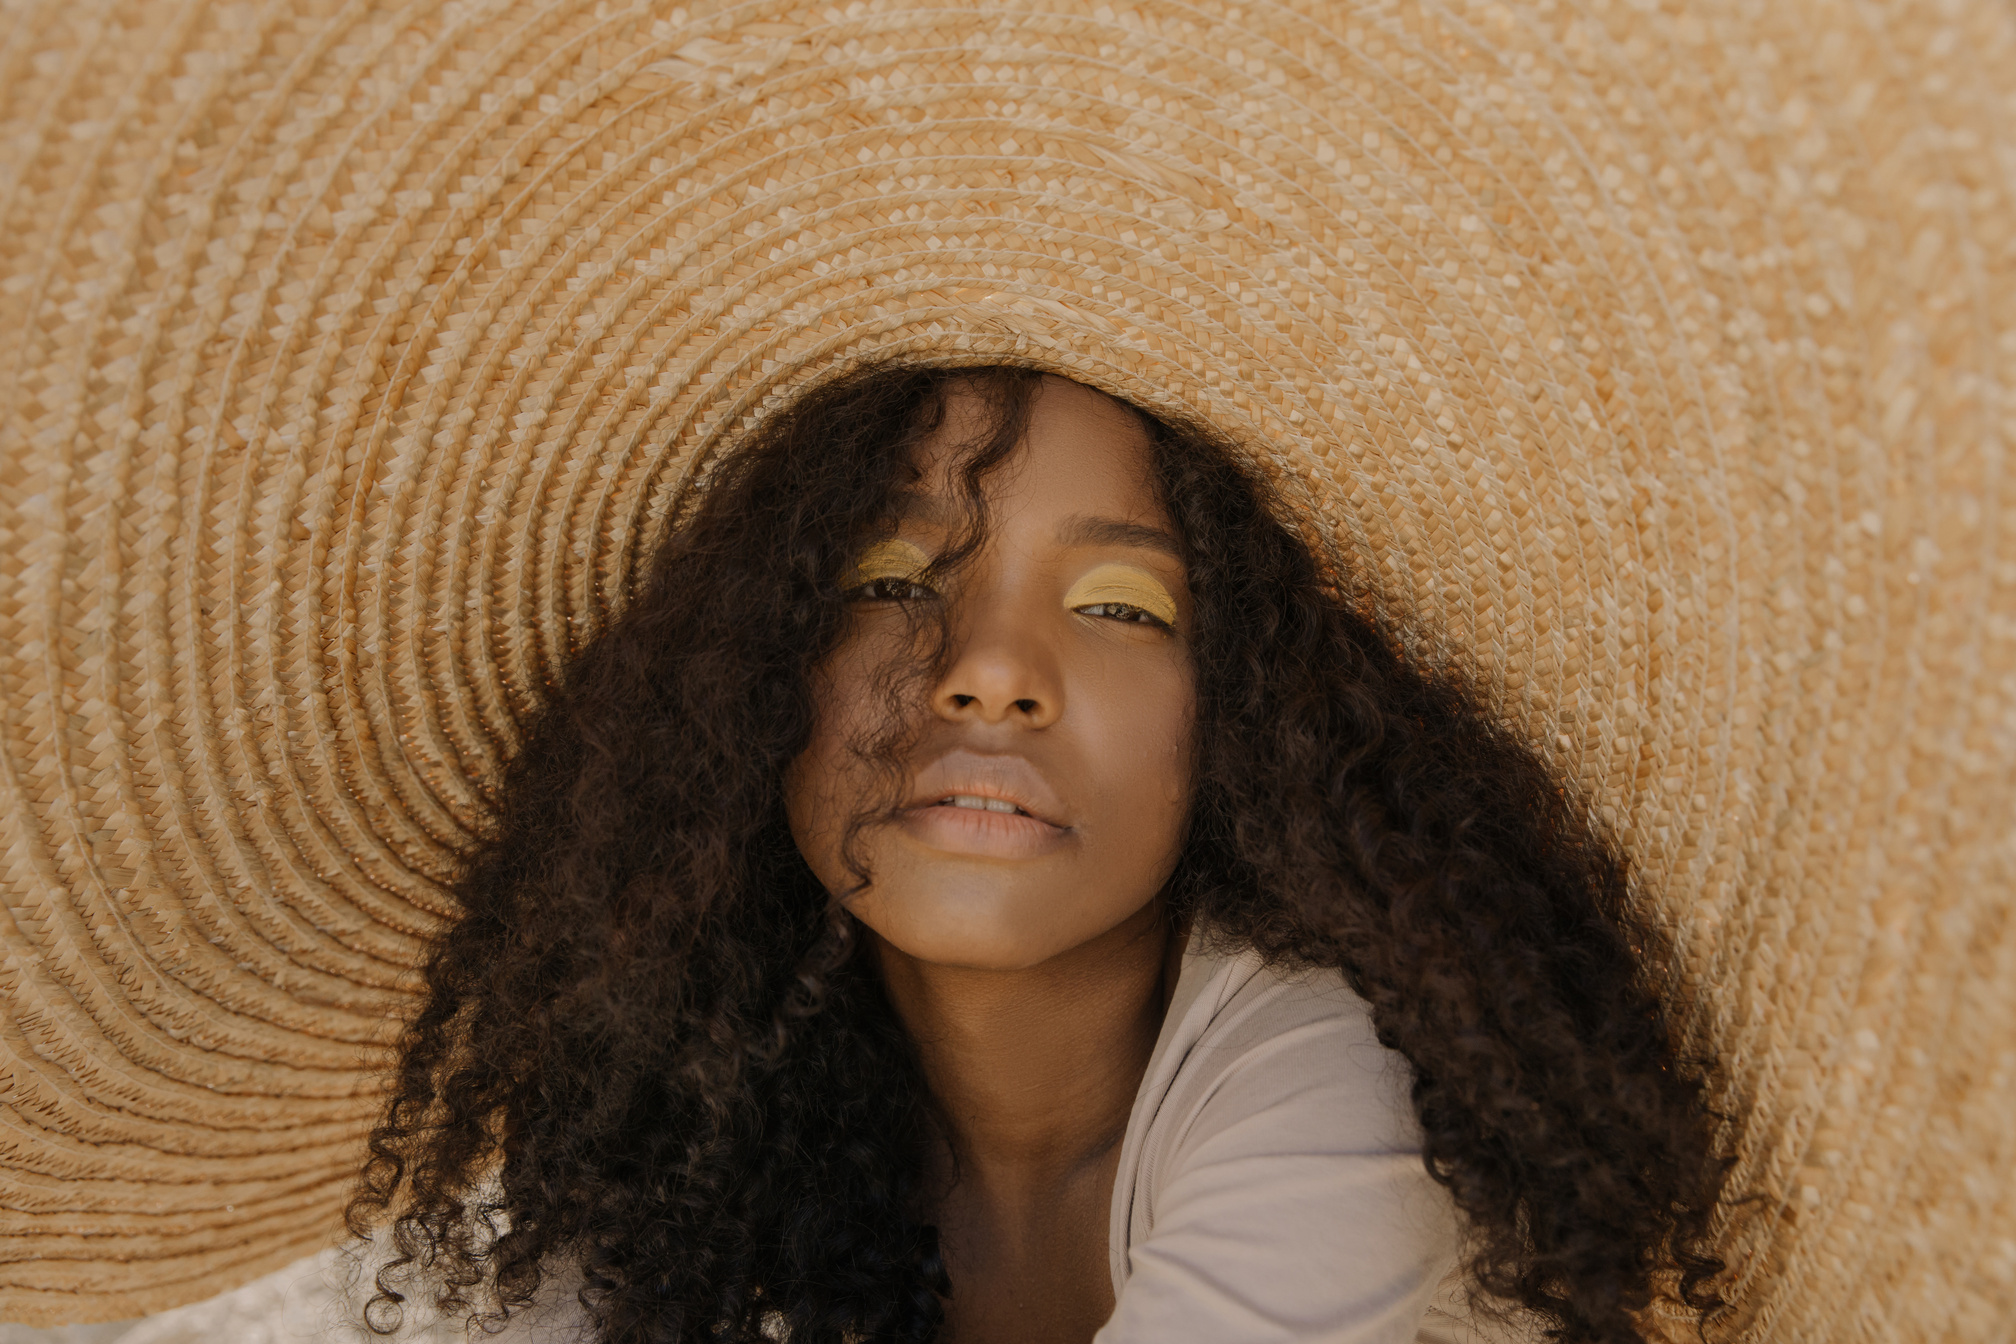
(1026,706)
(962,700)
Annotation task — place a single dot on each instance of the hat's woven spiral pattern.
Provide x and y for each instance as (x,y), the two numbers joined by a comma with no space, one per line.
(1659,355)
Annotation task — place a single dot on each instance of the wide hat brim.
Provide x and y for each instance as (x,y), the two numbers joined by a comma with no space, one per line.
(1657,360)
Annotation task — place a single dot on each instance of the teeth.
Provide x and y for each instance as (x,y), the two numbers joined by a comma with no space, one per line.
(978,803)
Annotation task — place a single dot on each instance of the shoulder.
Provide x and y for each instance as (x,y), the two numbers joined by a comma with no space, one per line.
(1294,1050)
(1271,1183)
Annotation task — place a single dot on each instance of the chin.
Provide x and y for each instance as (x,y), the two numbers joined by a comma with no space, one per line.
(971,930)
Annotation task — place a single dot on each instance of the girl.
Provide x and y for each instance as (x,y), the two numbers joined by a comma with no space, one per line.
(996,882)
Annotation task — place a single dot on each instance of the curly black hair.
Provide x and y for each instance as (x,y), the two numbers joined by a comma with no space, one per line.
(648,1053)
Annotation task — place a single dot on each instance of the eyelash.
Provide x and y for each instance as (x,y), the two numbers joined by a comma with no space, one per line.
(878,590)
(1134,615)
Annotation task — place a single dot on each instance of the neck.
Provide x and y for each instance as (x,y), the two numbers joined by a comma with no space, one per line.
(1034,1071)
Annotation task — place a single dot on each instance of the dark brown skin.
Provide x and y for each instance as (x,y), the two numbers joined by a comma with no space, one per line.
(1028,956)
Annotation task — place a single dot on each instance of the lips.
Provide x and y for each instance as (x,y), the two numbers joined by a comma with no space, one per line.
(965,780)
(979,803)
(984,806)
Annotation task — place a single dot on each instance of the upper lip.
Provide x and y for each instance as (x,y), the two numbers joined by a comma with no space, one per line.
(1010,778)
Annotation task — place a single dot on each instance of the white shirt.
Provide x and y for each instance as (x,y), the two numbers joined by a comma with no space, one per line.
(1271,1186)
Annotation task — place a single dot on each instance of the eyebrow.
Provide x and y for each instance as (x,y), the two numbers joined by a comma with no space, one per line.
(1077,530)
(1083,530)
(922,506)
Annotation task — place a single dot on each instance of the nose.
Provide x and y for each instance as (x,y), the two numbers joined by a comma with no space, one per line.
(1002,671)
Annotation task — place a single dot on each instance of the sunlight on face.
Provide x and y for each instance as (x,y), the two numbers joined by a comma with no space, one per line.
(1049,773)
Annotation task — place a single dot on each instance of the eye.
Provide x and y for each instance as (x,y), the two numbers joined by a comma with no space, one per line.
(1117,592)
(887,572)
(889,588)
(1123,611)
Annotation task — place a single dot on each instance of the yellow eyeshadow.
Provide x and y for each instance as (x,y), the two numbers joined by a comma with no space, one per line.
(1125,584)
(891,559)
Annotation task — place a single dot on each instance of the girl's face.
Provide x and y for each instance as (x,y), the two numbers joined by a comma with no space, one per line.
(1047,775)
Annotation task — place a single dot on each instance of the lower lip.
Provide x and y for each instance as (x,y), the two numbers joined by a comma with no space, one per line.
(971,830)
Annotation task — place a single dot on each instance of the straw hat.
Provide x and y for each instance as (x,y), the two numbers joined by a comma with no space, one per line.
(1659,355)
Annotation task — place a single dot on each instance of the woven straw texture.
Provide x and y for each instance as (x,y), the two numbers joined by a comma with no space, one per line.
(1660,356)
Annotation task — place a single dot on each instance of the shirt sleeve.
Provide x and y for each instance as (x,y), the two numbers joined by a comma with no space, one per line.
(1290,1202)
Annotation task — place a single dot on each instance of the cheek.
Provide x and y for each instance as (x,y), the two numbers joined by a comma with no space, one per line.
(1144,744)
(809,798)
(829,783)
(821,786)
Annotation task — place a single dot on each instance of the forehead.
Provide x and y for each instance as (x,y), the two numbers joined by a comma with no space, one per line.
(1082,452)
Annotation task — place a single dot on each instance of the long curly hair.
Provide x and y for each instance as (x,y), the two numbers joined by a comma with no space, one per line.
(649,1059)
